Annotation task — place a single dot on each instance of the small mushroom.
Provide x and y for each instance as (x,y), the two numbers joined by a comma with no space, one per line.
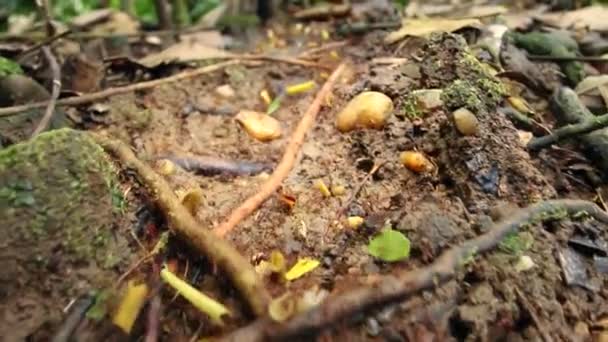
(369,109)
(466,122)
(259,125)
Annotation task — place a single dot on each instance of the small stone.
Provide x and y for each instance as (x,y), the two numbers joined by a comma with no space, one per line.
(370,109)
(524,137)
(338,190)
(428,99)
(225,91)
(466,122)
(524,263)
(581,329)
(259,126)
(372,327)
(355,222)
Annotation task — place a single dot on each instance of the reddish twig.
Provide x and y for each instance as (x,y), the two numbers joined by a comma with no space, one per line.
(50,108)
(219,251)
(153,319)
(286,60)
(289,157)
(390,289)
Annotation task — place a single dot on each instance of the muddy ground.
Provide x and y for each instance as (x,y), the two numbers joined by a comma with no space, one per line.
(477,179)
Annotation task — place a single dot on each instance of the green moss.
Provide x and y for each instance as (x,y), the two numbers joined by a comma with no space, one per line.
(8,67)
(517,243)
(463,94)
(411,108)
(58,187)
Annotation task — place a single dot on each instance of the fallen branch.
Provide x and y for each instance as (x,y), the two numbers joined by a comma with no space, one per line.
(88,98)
(289,157)
(569,131)
(286,60)
(209,166)
(390,289)
(50,108)
(185,226)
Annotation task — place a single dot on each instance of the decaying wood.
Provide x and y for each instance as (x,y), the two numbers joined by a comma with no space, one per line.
(219,251)
(289,157)
(394,288)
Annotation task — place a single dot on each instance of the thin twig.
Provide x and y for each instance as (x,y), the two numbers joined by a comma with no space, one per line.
(153,319)
(568,131)
(286,60)
(395,288)
(329,46)
(568,58)
(219,251)
(359,187)
(287,161)
(79,100)
(45,42)
(50,108)
(77,312)
(540,326)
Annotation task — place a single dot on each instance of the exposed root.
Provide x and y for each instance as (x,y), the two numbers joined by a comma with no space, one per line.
(289,157)
(390,289)
(568,131)
(219,251)
(50,108)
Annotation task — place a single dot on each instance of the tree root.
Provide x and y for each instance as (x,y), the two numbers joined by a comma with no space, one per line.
(289,157)
(219,251)
(568,131)
(50,108)
(390,289)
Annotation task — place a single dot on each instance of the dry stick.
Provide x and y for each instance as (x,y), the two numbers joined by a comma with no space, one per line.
(78,100)
(391,289)
(359,187)
(71,101)
(568,131)
(50,108)
(329,46)
(289,157)
(185,226)
(45,42)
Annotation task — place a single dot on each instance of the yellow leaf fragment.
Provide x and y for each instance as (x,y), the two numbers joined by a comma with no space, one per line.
(300,87)
(424,27)
(520,105)
(259,126)
(165,167)
(301,267)
(277,261)
(334,54)
(265,95)
(130,305)
(355,221)
(325,34)
(192,200)
(320,184)
(214,309)
(282,308)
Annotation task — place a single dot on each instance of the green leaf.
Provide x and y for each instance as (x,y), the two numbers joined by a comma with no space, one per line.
(390,245)
(274,105)
(8,67)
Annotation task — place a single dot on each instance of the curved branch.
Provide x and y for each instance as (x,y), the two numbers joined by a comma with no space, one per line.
(391,289)
(219,251)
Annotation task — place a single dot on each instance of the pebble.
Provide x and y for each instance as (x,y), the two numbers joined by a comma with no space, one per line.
(225,91)
(466,122)
(372,327)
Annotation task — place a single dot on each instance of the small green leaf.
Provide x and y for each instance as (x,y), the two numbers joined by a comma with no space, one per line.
(274,105)
(390,245)
(8,67)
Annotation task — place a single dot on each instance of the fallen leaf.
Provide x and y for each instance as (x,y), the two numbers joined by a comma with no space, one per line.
(183,52)
(591,17)
(130,306)
(274,105)
(390,245)
(277,261)
(301,267)
(424,27)
(591,83)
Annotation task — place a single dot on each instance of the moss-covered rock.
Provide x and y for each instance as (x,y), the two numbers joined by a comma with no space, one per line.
(449,64)
(59,199)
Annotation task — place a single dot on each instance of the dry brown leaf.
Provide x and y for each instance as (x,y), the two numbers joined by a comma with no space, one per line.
(592,17)
(117,23)
(482,11)
(591,83)
(183,52)
(424,27)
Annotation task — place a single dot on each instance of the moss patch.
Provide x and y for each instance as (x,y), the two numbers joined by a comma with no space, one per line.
(449,64)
